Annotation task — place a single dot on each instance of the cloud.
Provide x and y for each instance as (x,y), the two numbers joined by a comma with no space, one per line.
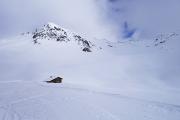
(81,16)
(96,18)
(149,17)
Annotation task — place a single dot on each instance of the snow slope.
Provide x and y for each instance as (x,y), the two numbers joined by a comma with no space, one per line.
(126,80)
(34,101)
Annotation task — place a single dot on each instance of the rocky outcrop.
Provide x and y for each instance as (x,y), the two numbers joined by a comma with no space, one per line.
(54,32)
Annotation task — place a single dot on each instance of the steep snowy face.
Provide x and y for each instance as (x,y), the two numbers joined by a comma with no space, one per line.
(52,31)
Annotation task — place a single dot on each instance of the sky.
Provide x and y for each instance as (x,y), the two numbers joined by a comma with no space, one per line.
(110,19)
(149,17)
(81,16)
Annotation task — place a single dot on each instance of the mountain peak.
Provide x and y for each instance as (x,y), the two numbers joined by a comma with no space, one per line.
(51,31)
(50,24)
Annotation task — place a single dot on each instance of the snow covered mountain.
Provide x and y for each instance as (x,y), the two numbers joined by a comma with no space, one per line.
(52,31)
(124,80)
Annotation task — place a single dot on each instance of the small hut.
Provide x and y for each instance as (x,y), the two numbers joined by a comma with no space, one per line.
(55,80)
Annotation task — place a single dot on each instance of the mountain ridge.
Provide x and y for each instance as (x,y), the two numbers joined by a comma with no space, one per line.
(54,32)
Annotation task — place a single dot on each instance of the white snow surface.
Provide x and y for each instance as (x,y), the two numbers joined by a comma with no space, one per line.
(133,80)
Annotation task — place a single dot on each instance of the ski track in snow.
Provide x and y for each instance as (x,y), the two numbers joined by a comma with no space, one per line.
(155,105)
(163,107)
(9,113)
(101,113)
(161,104)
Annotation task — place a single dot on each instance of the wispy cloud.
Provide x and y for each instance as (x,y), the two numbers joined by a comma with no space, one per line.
(96,18)
(81,16)
(149,17)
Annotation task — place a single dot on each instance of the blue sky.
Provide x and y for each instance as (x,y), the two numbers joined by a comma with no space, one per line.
(101,18)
